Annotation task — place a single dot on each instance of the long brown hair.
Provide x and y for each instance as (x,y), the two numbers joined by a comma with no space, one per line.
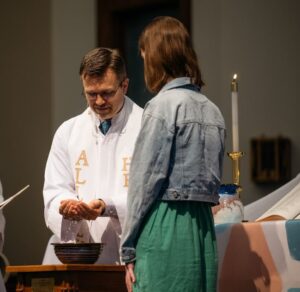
(168,53)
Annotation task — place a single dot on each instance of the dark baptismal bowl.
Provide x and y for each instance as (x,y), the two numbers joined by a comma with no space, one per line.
(78,253)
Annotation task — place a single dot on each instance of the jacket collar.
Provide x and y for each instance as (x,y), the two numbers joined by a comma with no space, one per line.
(177,82)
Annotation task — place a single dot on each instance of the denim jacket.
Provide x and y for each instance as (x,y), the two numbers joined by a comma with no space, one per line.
(178,155)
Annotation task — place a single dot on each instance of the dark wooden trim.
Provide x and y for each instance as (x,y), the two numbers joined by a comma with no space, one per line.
(110,12)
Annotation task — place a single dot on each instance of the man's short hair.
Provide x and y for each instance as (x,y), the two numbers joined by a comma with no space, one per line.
(98,61)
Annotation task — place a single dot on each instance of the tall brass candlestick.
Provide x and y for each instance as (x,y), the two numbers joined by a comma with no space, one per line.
(235,157)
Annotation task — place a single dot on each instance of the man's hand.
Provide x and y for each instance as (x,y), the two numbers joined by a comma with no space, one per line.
(92,210)
(68,209)
(129,276)
(78,210)
(98,205)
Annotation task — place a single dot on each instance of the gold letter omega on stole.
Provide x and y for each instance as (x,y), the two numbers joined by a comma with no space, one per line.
(82,161)
(125,169)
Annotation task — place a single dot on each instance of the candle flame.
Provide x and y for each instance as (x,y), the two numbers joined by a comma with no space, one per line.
(234,84)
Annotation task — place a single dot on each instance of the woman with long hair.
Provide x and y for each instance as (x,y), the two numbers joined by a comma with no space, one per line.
(169,242)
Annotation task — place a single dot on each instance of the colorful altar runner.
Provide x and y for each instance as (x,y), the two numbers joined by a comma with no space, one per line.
(259,256)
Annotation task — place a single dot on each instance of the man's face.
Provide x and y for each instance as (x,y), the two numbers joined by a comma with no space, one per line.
(105,95)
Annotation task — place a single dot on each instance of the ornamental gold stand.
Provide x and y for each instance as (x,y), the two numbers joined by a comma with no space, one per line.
(235,158)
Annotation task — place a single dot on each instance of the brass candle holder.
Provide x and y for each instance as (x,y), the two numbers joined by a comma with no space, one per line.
(235,158)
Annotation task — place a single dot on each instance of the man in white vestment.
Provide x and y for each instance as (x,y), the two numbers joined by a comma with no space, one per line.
(86,176)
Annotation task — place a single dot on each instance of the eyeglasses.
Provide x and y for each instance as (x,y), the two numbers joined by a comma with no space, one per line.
(106,94)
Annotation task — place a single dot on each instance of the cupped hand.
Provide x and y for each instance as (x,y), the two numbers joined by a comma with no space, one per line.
(68,209)
(92,210)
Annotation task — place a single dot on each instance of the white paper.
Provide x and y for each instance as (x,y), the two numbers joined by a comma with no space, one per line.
(4,203)
(288,207)
(257,208)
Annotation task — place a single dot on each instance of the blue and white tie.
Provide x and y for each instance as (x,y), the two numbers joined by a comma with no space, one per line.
(104,126)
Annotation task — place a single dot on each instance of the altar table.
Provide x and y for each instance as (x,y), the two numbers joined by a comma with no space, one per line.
(69,278)
(253,256)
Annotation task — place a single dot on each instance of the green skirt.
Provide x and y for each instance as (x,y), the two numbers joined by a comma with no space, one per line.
(177,250)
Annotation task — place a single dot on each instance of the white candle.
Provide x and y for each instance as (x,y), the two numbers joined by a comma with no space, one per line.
(235,116)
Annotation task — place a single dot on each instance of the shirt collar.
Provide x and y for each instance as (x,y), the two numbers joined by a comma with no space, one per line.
(119,116)
(116,122)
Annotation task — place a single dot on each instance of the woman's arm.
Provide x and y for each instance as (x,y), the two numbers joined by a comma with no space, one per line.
(148,171)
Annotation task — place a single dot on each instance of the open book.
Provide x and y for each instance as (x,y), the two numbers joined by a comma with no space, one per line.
(4,203)
(288,207)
